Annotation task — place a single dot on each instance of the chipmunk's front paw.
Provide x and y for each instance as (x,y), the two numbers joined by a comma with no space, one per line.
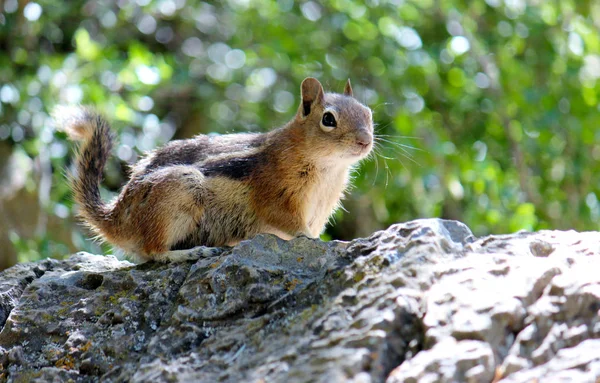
(305,234)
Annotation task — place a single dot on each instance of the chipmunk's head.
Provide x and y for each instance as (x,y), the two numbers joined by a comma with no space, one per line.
(337,126)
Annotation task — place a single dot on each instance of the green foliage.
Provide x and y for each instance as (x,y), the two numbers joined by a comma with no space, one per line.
(487,111)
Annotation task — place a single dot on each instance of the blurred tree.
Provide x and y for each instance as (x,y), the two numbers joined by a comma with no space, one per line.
(487,111)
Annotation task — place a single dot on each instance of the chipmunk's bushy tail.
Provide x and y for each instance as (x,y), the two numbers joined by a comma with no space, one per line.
(93,131)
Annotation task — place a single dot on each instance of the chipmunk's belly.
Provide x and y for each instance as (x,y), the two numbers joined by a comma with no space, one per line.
(228,217)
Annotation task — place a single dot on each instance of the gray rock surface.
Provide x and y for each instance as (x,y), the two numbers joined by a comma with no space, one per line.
(423,301)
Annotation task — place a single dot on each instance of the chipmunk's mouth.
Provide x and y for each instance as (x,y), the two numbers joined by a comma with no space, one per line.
(358,147)
(362,150)
(363,143)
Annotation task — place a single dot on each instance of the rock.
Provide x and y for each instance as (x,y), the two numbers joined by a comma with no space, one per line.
(420,301)
(449,361)
(14,282)
(15,355)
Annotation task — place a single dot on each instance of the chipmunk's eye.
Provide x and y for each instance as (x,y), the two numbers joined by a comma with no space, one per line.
(329,120)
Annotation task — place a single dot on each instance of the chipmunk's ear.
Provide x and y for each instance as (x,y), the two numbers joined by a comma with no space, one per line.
(312,91)
(348,89)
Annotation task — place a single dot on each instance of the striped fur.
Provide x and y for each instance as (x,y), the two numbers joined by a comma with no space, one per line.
(218,190)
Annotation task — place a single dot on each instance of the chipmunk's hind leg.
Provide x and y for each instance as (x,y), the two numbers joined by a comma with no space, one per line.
(160,209)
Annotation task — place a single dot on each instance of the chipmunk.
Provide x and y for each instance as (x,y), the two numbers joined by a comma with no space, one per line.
(215,191)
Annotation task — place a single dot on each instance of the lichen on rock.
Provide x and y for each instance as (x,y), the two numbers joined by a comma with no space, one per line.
(420,301)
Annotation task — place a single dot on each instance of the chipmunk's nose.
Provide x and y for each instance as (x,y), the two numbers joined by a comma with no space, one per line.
(364,138)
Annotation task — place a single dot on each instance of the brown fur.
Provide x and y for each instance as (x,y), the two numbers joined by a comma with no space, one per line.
(217,191)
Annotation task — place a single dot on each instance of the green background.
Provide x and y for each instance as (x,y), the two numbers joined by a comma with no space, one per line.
(487,111)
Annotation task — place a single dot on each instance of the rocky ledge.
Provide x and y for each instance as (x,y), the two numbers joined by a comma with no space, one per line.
(420,301)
